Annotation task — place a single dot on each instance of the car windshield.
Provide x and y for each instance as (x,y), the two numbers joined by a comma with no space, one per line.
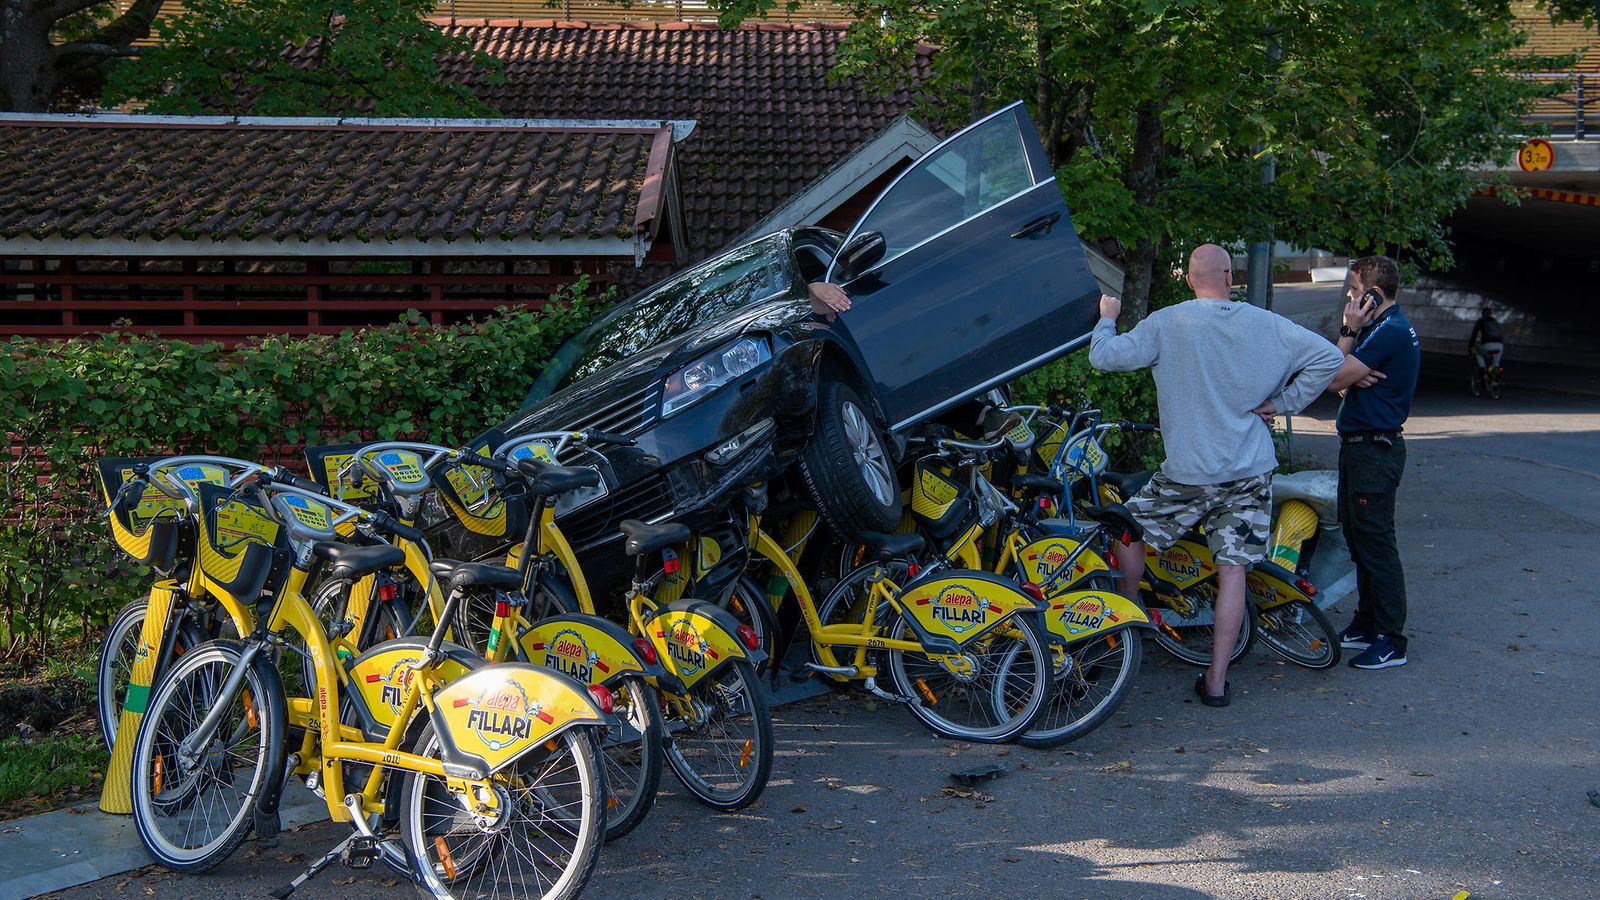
(738,278)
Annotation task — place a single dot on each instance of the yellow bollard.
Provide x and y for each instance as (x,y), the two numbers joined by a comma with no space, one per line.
(116,794)
(1297,521)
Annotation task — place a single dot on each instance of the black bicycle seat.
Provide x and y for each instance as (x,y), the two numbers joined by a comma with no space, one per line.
(547,480)
(645,538)
(1042,483)
(352,561)
(454,575)
(1115,516)
(893,546)
(1127,483)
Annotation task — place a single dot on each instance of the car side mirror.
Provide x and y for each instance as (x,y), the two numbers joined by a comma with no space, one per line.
(859,255)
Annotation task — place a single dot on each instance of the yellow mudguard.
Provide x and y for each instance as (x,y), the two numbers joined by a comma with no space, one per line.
(962,604)
(379,677)
(585,648)
(1268,586)
(1184,565)
(694,638)
(498,713)
(1077,615)
(1042,558)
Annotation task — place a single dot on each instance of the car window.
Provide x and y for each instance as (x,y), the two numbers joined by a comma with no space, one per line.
(708,291)
(975,172)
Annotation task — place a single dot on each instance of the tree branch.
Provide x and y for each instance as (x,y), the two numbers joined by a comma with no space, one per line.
(128,27)
(60,9)
(85,48)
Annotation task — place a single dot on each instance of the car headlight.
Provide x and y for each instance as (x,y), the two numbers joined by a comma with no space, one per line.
(694,382)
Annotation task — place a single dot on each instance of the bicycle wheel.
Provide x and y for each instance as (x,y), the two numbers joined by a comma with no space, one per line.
(719,740)
(193,809)
(632,755)
(1188,635)
(1492,382)
(1477,383)
(847,604)
(1300,633)
(545,842)
(552,596)
(1001,690)
(1090,681)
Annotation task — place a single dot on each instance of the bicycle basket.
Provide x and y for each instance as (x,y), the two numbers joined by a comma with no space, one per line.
(1050,436)
(325,462)
(1082,457)
(239,542)
(151,527)
(477,500)
(720,557)
(938,503)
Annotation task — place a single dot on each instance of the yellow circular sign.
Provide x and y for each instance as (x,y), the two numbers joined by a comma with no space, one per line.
(1536,155)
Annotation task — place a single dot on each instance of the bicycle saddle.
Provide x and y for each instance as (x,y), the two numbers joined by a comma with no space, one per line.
(455,575)
(547,480)
(645,538)
(1116,517)
(893,546)
(1036,483)
(1127,483)
(352,561)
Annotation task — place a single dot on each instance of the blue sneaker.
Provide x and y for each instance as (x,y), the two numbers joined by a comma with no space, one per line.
(1380,654)
(1353,638)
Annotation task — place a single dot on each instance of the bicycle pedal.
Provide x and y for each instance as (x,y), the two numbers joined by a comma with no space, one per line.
(361,852)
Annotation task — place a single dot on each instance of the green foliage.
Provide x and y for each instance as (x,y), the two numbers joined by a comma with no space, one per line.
(72,402)
(1380,114)
(1074,383)
(299,58)
(52,764)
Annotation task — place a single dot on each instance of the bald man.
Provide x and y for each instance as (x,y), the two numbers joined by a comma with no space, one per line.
(1222,371)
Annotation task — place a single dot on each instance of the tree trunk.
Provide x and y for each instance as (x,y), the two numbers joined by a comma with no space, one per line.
(1144,180)
(27,61)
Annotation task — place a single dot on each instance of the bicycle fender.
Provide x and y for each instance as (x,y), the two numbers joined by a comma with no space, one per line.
(694,638)
(1041,558)
(1079,615)
(379,676)
(266,811)
(1269,585)
(1183,565)
(497,714)
(962,604)
(588,648)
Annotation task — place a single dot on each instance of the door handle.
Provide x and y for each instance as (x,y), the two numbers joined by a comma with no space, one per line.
(1041,225)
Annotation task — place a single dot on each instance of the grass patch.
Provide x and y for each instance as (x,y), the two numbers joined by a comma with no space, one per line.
(44,771)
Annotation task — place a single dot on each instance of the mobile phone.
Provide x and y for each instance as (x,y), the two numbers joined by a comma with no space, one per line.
(1371,300)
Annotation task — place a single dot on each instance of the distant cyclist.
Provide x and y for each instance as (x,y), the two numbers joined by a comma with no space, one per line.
(1486,344)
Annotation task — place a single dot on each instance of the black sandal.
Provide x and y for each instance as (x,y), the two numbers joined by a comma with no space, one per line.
(1210,699)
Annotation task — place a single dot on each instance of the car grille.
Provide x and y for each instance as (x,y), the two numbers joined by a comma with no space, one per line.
(627,416)
(649,500)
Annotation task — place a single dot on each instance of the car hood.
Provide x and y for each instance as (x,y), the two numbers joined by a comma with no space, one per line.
(625,397)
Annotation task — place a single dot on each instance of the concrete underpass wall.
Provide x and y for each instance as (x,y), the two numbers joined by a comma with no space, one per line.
(1549,305)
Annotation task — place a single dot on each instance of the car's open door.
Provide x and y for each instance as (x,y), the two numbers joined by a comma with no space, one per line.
(966,271)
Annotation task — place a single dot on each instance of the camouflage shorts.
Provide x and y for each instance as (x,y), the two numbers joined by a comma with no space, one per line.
(1236,515)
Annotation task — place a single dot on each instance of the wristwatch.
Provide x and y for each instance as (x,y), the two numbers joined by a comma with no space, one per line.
(1347,331)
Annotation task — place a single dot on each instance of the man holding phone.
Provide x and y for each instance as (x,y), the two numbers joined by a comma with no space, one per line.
(1378,380)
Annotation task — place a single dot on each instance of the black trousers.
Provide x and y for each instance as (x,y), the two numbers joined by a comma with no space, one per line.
(1369,476)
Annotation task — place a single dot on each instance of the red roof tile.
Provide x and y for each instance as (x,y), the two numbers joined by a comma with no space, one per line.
(769,118)
(287,181)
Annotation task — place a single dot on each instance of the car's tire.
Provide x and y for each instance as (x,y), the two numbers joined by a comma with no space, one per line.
(846,465)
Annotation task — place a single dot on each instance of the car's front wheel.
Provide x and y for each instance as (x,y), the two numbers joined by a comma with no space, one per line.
(847,466)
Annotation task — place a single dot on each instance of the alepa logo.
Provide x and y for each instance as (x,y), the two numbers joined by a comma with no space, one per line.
(1259,589)
(503,715)
(1181,563)
(686,647)
(960,608)
(1055,556)
(395,683)
(1086,614)
(569,654)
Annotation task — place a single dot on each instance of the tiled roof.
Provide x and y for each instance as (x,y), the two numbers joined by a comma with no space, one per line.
(291,180)
(1548,39)
(769,118)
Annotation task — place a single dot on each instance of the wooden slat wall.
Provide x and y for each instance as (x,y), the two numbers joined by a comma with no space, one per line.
(598,11)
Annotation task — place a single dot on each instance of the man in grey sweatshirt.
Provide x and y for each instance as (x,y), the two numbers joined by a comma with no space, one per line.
(1222,371)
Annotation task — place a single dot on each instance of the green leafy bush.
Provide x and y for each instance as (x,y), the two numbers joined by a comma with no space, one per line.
(69,403)
(1119,395)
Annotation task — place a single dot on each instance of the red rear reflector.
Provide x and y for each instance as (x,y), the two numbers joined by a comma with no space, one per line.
(748,637)
(386,592)
(912,569)
(502,609)
(647,651)
(1032,590)
(669,562)
(1306,587)
(602,698)
(1112,562)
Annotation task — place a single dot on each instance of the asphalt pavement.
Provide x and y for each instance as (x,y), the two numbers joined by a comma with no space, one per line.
(1464,771)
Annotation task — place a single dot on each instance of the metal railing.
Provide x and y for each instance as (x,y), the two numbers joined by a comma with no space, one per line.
(1564,114)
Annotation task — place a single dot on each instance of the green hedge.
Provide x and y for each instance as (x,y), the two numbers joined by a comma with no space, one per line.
(68,403)
(1119,395)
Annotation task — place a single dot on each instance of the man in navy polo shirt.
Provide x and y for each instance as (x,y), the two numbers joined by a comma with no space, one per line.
(1378,378)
